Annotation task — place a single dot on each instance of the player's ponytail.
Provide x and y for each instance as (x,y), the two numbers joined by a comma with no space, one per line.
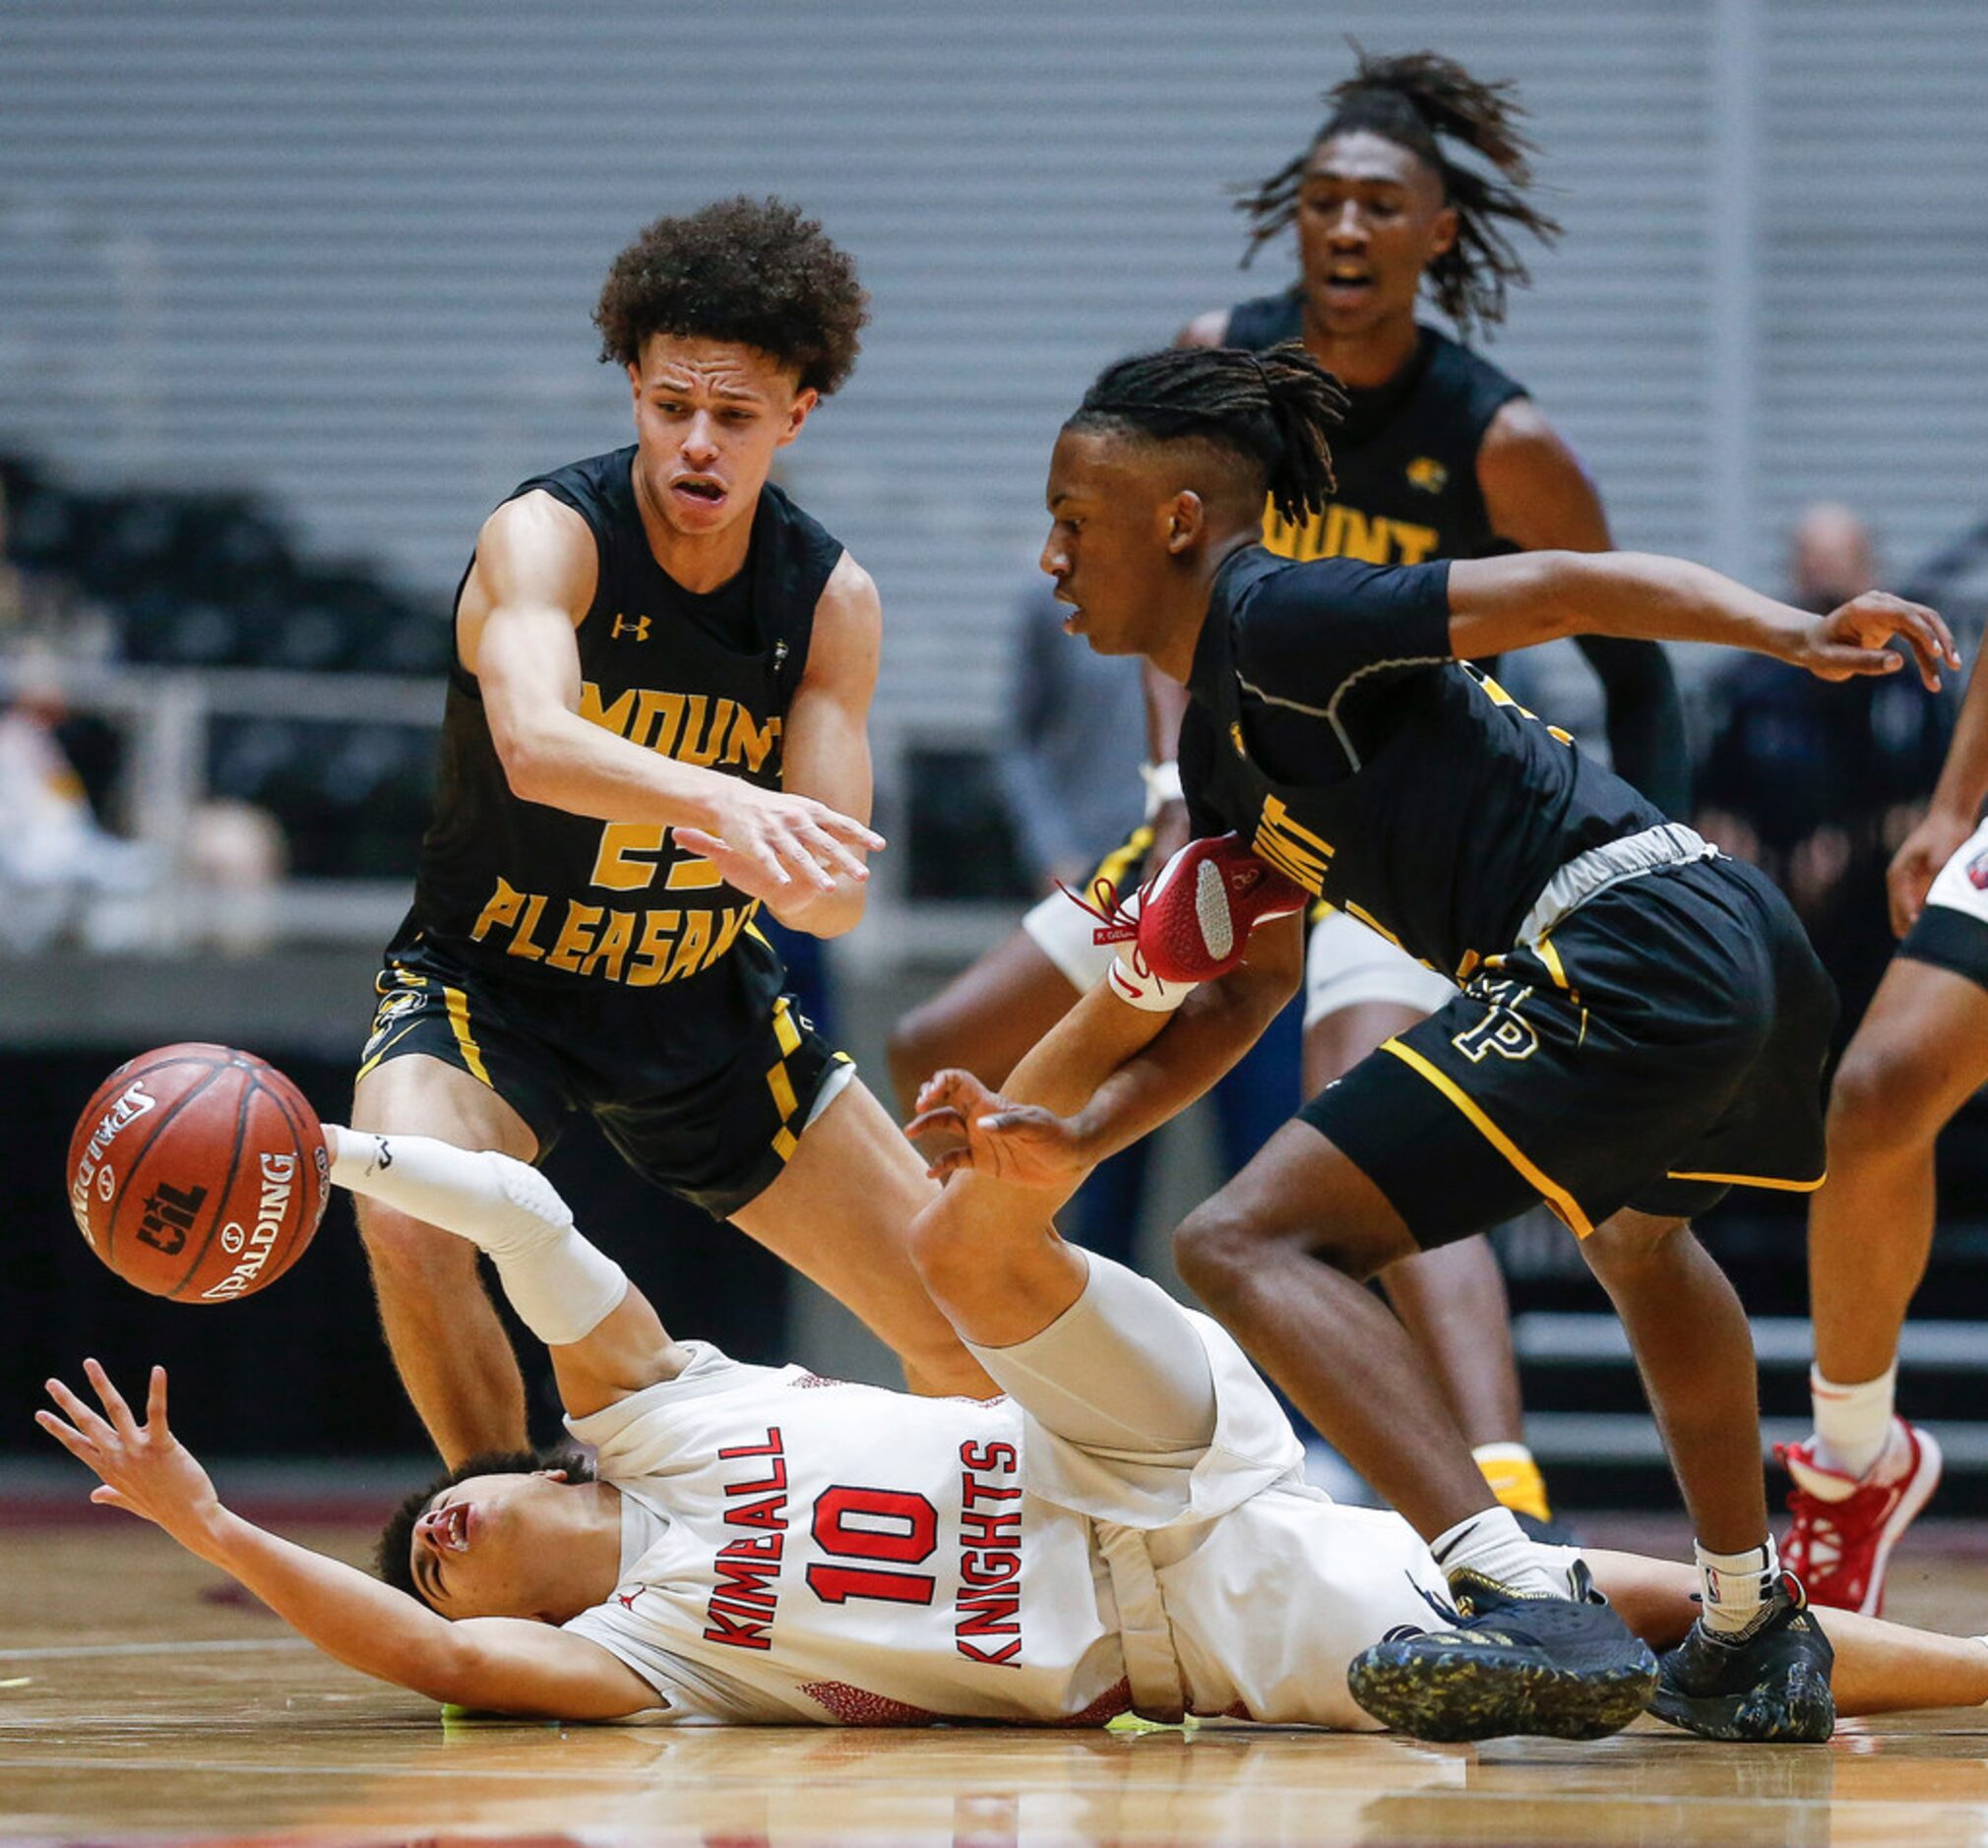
(1276,408)
(1430,105)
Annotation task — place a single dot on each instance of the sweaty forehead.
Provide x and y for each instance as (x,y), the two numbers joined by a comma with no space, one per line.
(725,368)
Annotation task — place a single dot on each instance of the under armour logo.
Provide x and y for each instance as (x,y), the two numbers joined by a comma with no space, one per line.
(636,626)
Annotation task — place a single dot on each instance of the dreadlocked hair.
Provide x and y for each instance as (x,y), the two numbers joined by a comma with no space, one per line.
(1272,408)
(1426,104)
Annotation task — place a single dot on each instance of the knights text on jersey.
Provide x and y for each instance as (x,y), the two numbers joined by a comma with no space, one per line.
(1405,457)
(527,891)
(806,1550)
(1331,725)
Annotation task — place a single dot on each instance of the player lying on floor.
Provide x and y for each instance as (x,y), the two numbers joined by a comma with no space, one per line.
(1128,1529)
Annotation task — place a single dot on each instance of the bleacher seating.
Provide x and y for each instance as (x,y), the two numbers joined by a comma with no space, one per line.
(195,580)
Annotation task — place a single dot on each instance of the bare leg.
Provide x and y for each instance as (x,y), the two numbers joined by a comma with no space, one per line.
(839,1213)
(983,1021)
(448,1345)
(1695,1354)
(1452,1301)
(1281,1256)
(1881,1667)
(1921,1053)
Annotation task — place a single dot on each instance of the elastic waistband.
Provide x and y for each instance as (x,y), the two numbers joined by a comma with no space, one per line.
(1671,844)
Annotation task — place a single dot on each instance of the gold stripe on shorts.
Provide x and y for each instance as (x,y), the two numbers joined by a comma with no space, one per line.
(465,1044)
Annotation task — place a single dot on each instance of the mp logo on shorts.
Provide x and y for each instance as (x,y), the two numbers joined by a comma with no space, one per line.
(1501,1031)
(396,1007)
(1978,871)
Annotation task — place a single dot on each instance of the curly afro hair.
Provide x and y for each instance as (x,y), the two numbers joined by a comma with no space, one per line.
(746,270)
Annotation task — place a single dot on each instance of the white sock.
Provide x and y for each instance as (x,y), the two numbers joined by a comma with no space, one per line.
(561,1286)
(1852,1422)
(1737,1585)
(1493,1544)
(1146,991)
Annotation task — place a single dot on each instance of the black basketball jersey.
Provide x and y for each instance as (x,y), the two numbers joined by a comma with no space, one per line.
(1331,726)
(531,893)
(1406,458)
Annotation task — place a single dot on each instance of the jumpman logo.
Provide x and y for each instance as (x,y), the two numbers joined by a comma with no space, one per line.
(626,1600)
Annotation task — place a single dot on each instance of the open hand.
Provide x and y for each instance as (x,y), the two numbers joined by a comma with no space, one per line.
(1851,639)
(1020,1144)
(146,1469)
(1916,864)
(776,846)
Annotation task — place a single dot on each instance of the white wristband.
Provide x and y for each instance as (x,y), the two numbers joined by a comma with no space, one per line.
(1163,785)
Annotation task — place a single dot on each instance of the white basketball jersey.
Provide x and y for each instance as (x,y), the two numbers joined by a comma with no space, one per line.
(798,1548)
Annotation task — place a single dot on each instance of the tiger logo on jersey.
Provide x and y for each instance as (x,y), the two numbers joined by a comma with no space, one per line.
(1428,475)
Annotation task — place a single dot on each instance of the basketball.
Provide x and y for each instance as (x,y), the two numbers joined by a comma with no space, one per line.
(197,1173)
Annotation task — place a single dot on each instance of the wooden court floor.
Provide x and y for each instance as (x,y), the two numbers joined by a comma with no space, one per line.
(142,1698)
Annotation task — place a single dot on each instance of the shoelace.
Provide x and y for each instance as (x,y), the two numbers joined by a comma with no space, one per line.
(1816,1540)
(1116,924)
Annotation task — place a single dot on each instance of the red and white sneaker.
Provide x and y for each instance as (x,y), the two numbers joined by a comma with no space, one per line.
(1844,1527)
(1197,912)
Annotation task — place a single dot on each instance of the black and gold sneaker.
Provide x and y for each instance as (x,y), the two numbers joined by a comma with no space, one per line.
(1770,1684)
(1554,1668)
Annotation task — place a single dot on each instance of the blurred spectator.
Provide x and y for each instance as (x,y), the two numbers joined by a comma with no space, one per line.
(1817,783)
(1076,737)
(57,863)
(233,860)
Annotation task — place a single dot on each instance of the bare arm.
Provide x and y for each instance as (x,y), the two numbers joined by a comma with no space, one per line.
(1107,1075)
(1539,497)
(1952,815)
(532,584)
(507,1665)
(1497,604)
(824,750)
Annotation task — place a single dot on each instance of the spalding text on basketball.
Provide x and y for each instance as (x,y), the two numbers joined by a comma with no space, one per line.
(278,1177)
(132,1104)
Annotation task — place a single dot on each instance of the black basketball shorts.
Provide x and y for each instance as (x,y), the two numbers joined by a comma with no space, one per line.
(1658,1046)
(717,1135)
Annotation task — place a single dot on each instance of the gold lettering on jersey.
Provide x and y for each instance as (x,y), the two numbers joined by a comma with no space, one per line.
(639,949)
(1499,696)
(1291,847)
(576,936)
(1337,530)
(521,943)
(692,727)
(612,866)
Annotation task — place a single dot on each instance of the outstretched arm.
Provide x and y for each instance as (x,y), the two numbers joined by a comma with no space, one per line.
(1517,602)
(604,1335)
(1540,498)
(532,583)
(505,1665)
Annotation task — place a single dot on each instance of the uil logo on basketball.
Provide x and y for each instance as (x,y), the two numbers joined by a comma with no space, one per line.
(169,1213)
(1502,1030)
